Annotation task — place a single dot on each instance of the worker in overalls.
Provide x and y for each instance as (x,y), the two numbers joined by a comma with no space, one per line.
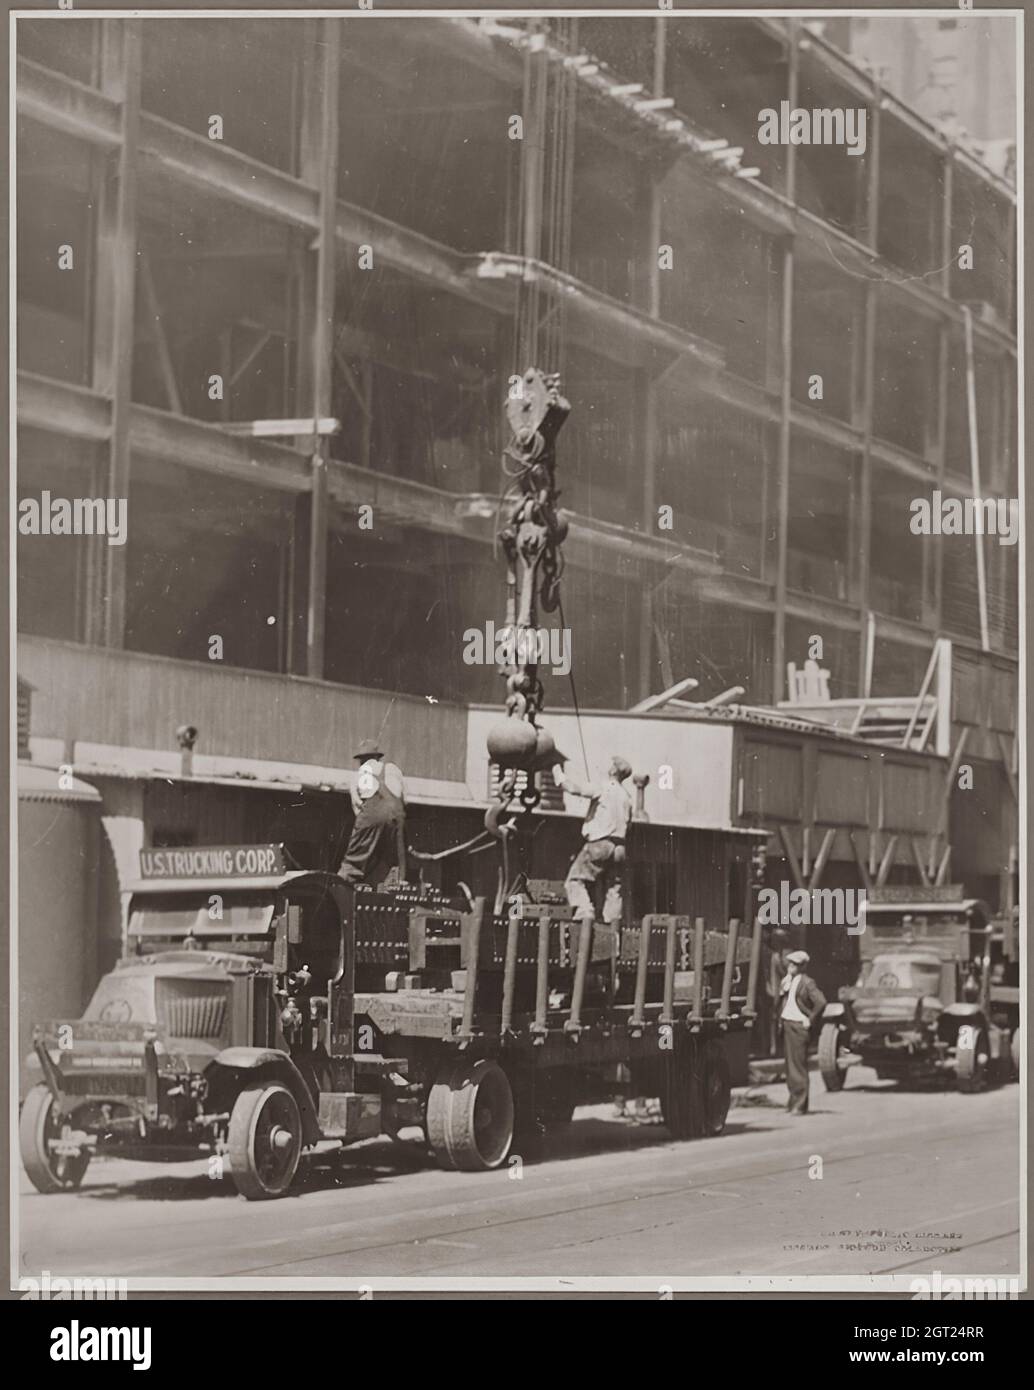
(377,843)
(598,868)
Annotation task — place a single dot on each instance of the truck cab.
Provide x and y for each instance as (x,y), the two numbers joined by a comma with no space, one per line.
(929,997)
(214,1034)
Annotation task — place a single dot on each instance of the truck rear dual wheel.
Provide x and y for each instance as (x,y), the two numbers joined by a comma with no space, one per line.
(556,1108)
(265,1140)
(40,1123)
(717,1088)
(696,1089)
(470,1116)
(833,1075)
(542,1105)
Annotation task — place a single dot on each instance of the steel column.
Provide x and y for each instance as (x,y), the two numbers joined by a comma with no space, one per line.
(786,396)
(864,543)
(113,313)
(783,482)
(319,166)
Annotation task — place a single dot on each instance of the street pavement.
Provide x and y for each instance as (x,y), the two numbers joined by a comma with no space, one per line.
(874,1181)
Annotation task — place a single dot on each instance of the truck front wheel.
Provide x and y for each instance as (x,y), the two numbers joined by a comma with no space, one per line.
(40,1125)
(829,1057)
(972,1054)
(265,1140)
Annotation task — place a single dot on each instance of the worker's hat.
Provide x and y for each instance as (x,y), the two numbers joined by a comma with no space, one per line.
(368,749)
(798,957)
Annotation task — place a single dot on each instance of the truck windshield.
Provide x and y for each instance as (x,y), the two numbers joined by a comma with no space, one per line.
(173,915)
(903,972)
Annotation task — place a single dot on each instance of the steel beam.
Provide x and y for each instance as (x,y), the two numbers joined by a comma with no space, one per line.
(660,49)
(114,305)
(61,408)
(225,173)
(592,316)
(793,82)
(647,391)
(909,465)
(782,498)
(864,513)
(843,252)
(974,469)
(76,109)
(762,404)
(873,186)
(941,454)
(71,107)
(826,428)
(195,444)
(320,162)
(44,403)
(783,481)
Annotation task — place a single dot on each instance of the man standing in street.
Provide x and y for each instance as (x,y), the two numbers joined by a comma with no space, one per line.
(802,1002)
(377,843)
(598,867)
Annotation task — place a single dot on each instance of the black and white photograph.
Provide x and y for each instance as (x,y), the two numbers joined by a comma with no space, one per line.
(517,711)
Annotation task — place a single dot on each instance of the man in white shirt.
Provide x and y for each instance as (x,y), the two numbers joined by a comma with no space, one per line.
(802,1002)
(598,866)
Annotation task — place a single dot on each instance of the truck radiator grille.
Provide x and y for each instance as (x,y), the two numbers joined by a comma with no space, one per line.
(191,1010)
(93,1083)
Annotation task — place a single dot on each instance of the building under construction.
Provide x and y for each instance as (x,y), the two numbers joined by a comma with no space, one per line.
(273,279)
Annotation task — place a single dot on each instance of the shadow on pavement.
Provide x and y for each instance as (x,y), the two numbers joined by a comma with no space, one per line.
(382,1160)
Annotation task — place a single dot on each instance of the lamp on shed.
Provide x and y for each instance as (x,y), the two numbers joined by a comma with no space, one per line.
(186,737)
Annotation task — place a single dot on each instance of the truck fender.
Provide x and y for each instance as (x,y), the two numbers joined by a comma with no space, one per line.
(955,1016)
(965,1013)
(833,1013)
(267,1062)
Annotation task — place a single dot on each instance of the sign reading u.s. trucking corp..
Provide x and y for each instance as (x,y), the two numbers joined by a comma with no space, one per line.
(213,861)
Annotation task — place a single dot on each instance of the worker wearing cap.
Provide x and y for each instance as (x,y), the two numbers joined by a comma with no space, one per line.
(377,841)
(802,1002)
(598,867)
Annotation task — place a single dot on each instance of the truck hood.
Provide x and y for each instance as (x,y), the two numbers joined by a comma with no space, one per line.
(182,1001)
(883,1006)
